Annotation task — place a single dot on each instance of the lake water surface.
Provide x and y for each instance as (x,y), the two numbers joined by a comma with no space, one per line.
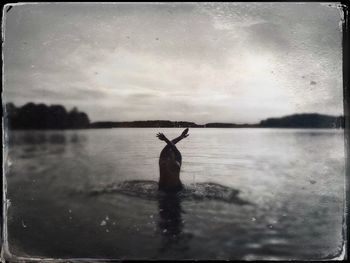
(250,194)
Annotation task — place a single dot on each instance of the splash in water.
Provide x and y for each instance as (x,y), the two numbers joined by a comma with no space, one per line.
(149,190)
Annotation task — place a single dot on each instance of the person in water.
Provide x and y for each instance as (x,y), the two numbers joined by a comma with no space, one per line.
(170,164)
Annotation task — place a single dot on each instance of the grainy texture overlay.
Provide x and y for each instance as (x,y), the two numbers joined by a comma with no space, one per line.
(98,163)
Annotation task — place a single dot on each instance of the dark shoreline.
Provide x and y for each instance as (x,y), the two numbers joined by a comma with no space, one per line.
(255,127)
(307,121)
(55,117)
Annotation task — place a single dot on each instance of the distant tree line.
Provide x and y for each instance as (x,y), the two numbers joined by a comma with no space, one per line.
(229,125)
(144,124)
(311,120)
(41,116)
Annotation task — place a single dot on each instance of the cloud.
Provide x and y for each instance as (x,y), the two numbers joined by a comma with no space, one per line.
(268,36)
(196,61)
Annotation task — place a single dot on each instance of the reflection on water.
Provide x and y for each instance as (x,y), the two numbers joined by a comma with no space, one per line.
(45,137)
(249,194)
(171,223)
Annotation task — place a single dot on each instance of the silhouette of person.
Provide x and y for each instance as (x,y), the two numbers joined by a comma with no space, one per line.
(170,164)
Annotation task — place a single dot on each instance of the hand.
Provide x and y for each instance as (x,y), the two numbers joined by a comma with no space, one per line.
(185,133)
(161,136)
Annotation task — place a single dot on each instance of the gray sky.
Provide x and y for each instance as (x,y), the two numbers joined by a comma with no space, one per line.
(222,62)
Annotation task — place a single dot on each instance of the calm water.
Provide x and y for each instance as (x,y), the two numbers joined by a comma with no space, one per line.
(250,194)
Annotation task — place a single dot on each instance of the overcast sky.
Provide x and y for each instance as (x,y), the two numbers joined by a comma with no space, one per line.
(222,62)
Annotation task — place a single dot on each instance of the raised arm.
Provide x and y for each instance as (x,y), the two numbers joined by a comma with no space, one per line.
(162,137)
(183,135)
(172,143)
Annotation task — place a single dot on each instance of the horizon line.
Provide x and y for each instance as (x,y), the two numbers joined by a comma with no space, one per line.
(238,123)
